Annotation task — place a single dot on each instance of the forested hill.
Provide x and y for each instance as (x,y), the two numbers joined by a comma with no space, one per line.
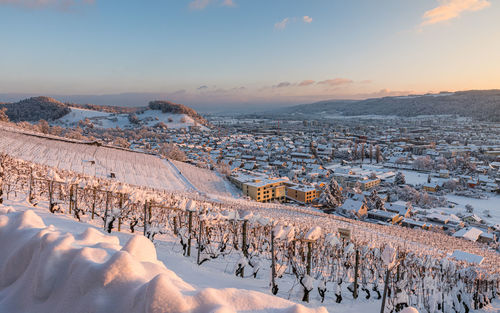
(176,108)
(49,109)
(481,105)
(35,109)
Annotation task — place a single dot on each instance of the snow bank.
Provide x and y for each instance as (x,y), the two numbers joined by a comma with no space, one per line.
(44,270)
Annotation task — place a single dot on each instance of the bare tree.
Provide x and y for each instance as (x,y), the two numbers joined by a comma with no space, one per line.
(3,115)
(173,152)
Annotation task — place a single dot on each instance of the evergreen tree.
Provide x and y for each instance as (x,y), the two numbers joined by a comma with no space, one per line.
(400,179)
(332,195)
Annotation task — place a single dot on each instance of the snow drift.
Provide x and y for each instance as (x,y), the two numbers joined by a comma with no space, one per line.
(44,270)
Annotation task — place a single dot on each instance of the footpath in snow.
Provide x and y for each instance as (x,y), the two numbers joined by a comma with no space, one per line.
(44,269)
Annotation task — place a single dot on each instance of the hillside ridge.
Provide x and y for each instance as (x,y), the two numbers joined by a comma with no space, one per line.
(477,104)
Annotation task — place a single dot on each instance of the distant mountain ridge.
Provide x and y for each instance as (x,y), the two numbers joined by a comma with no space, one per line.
(478,104)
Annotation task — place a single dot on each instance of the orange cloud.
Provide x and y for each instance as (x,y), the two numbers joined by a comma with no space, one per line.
(306,82)
(450,9)
(282,24)
(336,82)
(307,19)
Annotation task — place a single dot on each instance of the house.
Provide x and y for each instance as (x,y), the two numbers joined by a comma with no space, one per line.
(444,220)
(444,173)
(471,218)
(471,233)
(432,187)
(411,223)
(384,216)
(354,207)
(403,210)
(369,183)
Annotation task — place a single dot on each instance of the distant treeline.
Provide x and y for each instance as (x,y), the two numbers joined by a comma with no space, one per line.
(106,108)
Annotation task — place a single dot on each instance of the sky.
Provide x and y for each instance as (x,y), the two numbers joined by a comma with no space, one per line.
(244,53)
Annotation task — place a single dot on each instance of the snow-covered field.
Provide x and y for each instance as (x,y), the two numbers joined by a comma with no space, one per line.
(112,120)
(73,267)
(369,238)
(128,167)
(204,180)
(492,204)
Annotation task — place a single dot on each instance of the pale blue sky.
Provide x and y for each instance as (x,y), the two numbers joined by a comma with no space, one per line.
(240,51)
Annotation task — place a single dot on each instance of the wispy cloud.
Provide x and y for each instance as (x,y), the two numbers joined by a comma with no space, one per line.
(450,9)
(201,4)
(228,3)
(335,82)
(282,84)
(306,82)
(42,4)
(282,24)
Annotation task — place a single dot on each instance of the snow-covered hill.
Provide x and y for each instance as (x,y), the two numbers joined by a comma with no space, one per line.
(125,166)
(48,269)
(111,120)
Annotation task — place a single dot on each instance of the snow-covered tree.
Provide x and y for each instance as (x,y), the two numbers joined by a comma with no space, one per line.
(400,179)
(332,195)
(173,152)
(3,115)
(378,154)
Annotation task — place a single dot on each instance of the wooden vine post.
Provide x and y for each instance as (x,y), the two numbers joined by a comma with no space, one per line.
(200,231)
(70,198)
(121,208)
(30,194)
(175,225)
(244,247)
(106,210)
(75,202)
(274,288)
(356,267)
(235,240)
(386,285)
(145,217)
(190,229)
(93,202)
(51,196)
(309,257)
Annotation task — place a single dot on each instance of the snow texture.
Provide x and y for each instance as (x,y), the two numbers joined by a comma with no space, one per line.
(45,270)
(112,120)
(128,167)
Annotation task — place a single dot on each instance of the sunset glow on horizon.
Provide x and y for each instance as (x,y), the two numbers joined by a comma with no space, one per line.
(243,52)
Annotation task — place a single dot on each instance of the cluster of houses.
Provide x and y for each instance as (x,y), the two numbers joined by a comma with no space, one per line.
(291,161)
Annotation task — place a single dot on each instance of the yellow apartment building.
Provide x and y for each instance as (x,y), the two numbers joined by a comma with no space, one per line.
(303,194)
(265,190)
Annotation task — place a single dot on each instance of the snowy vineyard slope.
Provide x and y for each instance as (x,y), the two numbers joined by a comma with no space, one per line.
(128,167)
(45,270)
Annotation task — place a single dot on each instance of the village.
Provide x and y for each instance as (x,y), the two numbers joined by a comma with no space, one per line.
(419,172)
